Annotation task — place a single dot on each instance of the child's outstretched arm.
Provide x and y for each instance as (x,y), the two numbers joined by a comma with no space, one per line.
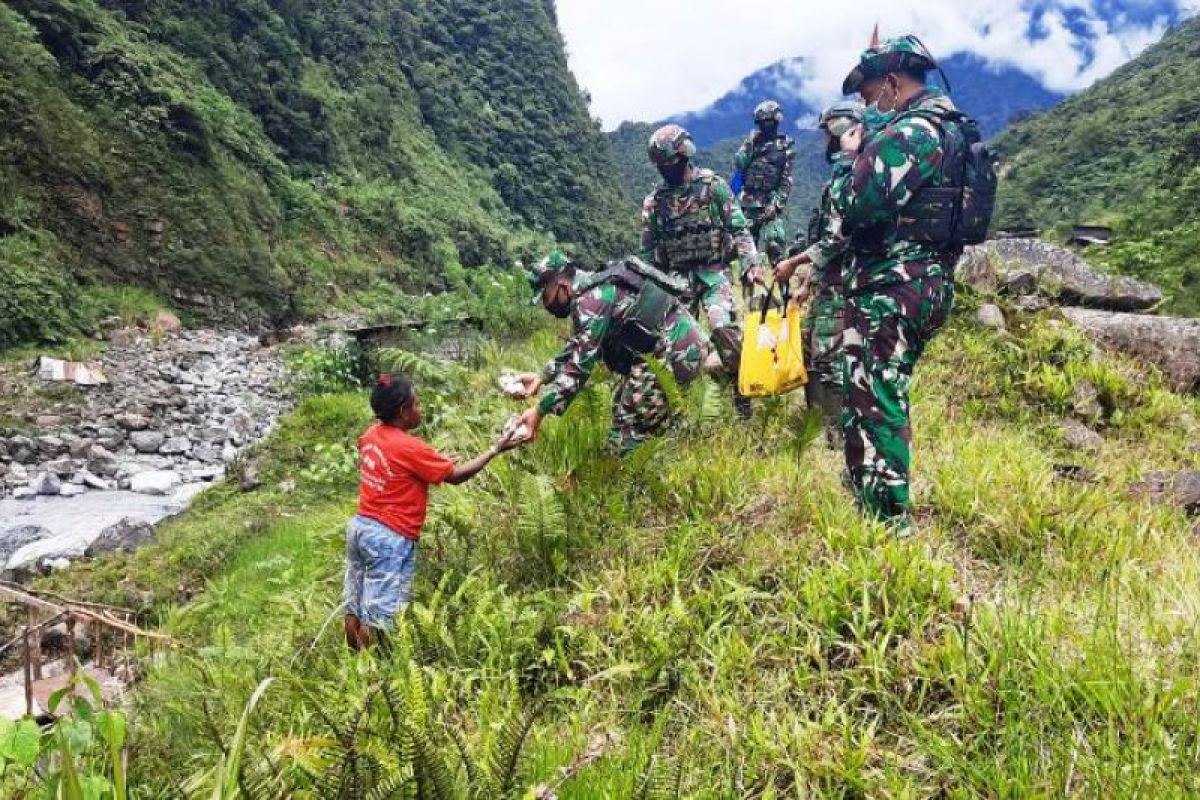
(464,472)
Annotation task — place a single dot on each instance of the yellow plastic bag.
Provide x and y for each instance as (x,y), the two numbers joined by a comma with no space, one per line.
(772,351)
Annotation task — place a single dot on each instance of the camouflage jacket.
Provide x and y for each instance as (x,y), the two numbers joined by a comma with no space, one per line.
(827,247)
(593,315)
(753,149)
(707,196)
(870,191)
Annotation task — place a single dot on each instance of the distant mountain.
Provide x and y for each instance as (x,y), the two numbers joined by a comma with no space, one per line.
(993,94)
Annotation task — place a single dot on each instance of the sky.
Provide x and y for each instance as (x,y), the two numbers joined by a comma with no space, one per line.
(647,59)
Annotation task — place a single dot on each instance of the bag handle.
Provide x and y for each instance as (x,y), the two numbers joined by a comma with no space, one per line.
(785,296)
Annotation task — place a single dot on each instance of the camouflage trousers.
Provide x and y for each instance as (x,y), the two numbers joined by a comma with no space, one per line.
(711,291)
(887,329)
(823,331)
(640,406)
(769,234)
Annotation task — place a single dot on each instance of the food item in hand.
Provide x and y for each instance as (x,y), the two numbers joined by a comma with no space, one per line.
(515,431)
(512,386)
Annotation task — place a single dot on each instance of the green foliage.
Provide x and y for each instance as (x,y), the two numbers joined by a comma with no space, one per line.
(324,369)
(1120,152)
(267,161)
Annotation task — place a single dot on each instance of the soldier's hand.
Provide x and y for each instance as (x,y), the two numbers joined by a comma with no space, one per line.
(532,420)
(786,268)
(531,384)
(754,275)
(852,140)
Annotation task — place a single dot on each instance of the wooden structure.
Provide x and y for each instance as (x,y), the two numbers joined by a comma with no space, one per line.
(44,609)
(1090,235)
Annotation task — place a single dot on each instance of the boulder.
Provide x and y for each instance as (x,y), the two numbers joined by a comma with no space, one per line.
(94,481)
(990,316)
(62,467)
(1085,401)
(126,536)
(51,446)
(24,493)
(133,422)
(101,462)
(176,445)
(46,484)
(1180,489)
(167,322)
(22,449)
(71,490)
(1019,282)
(1063,275)
(154,481)
(1030,304)
(977,269)
(1170,343)
(147,441)
(13,539)
(1078,436)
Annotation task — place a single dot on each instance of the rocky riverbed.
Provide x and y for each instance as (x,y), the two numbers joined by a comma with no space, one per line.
(177,410)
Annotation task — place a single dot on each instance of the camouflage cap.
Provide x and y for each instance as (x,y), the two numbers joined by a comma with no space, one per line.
(841,116)
(894,55)
(556,261)
(768,110)
(670,142)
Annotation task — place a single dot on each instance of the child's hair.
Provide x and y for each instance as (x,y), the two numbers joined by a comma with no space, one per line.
(391,395)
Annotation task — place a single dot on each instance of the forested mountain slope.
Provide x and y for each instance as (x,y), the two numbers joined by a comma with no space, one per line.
(275,157)
(1124,151)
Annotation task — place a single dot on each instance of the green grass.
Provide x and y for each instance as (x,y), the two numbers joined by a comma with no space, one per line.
(712,607)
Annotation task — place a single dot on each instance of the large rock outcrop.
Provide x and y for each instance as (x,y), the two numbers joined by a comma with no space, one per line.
(1170,343)
(1059,273)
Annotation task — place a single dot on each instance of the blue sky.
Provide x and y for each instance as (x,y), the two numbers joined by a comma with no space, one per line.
(645,59)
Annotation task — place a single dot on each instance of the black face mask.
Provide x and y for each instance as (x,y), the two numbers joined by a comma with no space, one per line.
(673,173)
(768,129)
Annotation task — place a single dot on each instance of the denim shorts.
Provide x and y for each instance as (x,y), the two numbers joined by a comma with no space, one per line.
(379,571)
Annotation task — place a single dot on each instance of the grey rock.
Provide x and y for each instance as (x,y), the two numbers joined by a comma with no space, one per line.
(155,481)
(13,539)
(207,454)
(1180,489)
(71,490)
(1078,436)
(176,445)
(1170,343)
(78,446)
(1085,401)
(133,422)
(62,467)
(978,269)
(24,493)
(126,536)
(46,484)
(3,470)
(249,479)
(17,473)
(147,441)
(1063,275)
(22,449)
(101,462)
(51,446)
(1030,304)
(1019,282)
(990,316)
(94,481)
(216,435)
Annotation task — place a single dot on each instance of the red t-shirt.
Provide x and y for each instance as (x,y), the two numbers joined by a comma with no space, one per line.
(395,470)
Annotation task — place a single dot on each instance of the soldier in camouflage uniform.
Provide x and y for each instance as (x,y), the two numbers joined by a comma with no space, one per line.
(899,284)
(628,311)
(762,178)
(685,224)
(824,254)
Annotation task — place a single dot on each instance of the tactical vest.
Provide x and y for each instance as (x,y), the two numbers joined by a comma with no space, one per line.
(636,331)
(765,171)
(957,209)
(693,238)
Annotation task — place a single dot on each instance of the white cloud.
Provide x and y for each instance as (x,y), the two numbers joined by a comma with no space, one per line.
(644,59)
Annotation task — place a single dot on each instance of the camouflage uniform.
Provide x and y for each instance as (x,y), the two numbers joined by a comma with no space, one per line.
(640,407)
(825,322)
(766,168)
(899,293)
(683,231)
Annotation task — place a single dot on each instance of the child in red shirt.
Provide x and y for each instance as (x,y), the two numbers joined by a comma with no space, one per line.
(396,470)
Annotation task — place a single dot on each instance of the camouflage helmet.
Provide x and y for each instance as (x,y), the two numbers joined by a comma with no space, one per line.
(908,53)
(670,142)
(841,116)
(768,110)
(539,274)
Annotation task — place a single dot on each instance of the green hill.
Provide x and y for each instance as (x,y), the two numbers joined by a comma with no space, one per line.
(1123,152)
(263,160)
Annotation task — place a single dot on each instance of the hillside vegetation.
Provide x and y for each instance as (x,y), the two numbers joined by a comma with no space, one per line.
(264,160)
(1124,152)
(707,618)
